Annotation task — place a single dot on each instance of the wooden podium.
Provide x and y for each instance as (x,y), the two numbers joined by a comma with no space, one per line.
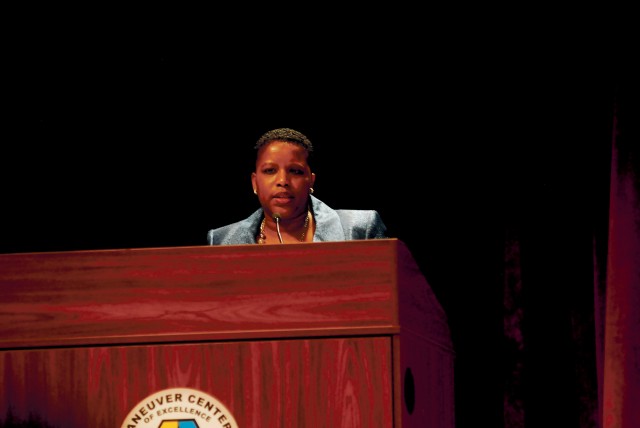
(335,334)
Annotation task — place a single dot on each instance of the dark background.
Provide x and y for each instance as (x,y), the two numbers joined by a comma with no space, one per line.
(140,134)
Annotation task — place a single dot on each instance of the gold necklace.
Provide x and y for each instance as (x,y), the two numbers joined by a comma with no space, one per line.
(262,238)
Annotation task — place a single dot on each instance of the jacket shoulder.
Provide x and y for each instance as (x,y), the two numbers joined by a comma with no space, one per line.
(241,232)
(362,224)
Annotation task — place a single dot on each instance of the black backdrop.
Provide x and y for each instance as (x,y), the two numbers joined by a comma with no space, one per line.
(122,136)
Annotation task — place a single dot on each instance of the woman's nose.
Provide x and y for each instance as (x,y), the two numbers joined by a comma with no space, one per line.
(283,179)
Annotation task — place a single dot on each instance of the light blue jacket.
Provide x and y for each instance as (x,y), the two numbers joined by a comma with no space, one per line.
(331,225)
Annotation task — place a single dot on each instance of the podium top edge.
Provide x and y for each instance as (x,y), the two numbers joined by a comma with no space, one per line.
(205,247)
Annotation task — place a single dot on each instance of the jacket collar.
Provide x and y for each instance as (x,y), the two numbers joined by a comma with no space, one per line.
(328,225)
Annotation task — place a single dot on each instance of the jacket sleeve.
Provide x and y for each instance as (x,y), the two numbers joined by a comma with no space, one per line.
(376,228)
(362,224)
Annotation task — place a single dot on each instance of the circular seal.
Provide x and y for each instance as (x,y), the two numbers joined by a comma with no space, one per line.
(179,408)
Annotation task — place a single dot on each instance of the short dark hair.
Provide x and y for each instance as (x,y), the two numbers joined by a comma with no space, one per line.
(285,134)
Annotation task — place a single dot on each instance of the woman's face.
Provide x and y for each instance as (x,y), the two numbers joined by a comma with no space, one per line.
(282,179)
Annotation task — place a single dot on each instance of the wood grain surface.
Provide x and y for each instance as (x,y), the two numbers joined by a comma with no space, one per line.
(196,293)
(286,383)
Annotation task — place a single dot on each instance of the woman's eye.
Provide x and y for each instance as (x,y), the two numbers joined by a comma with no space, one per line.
(297,171)
(269,170)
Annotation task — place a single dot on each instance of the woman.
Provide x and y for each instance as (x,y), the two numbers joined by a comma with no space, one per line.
(289,214)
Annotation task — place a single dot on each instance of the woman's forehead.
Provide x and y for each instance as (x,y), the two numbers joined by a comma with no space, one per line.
(282,149)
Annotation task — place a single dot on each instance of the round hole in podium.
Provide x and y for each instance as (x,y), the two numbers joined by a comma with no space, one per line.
(409,390)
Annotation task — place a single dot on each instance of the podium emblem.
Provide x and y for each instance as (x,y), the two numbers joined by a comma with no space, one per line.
(179,408)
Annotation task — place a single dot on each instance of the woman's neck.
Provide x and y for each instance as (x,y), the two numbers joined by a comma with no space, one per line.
(292,230)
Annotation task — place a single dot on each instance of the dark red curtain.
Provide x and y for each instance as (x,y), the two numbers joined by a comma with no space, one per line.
(619,362)
(572,279)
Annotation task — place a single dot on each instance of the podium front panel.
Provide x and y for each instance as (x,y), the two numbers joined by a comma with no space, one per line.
(318,382)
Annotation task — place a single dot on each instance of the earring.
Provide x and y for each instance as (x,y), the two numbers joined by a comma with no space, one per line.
(311,190)
(255,192)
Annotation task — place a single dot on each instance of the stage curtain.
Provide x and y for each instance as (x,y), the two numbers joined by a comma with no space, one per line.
(619,362)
